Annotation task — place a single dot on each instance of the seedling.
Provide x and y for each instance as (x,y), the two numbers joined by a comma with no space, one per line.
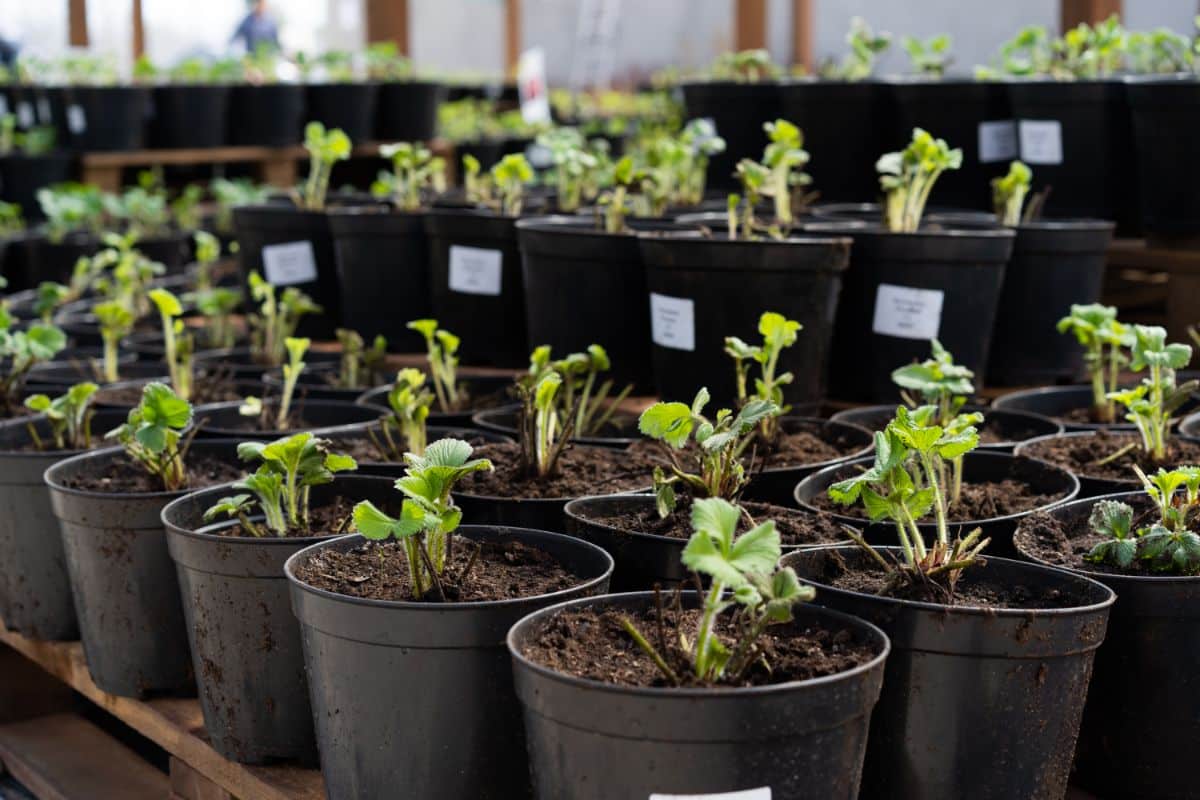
(572,165)
(743,575)
(745,66)
(428,517)
(282,484)
(720,443)
(1082,53)
(116,322)
(179,346)
(11,220)
(476,186)
(49,296)
(71,208)
(590,400)
(510,175)
(325,148)
(415,173)
(20,351)
(1151,404)
(359,364)
(409,400)
(276,319)
(1167,545)
(1008,193)
(296,349)
(778,333)
(930,57)
(217,304)
(208,252)
(615,202)
(904,484)
(908,176)
(701,139)
(231,193)
(1105,341)
(141,210)
(69,416)
(385,63)
(865,47)
(775,177)
(1160,52)
(153,435)
(440,349)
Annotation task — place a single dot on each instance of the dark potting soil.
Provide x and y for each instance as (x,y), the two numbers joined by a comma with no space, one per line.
(331,519)
(994,432)
(580,471)
(858,572)
(982,500)
(795,527)
(1079,454)
(266,423)
(363,450)
(123,475)
(480,402)
(592,644)
(800,447)
(1064,543)
(503,570)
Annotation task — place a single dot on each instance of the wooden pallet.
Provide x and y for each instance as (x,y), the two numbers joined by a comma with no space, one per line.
(177,726)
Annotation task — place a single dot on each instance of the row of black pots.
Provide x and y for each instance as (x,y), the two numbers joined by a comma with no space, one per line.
(31,258)
(190,116)
(21,176)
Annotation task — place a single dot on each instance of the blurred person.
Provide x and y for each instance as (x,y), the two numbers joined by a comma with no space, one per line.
(258,29)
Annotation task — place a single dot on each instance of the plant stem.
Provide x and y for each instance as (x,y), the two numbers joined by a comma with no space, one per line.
(655,656)
(705,632)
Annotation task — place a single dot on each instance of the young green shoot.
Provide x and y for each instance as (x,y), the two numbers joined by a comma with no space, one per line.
(908,176)
(20,351)
(69,416)
(572,165)
(1151,405)
(281,485)
(296,348)
(360,365)
(1106,342)
(416,173)
(614,204)
(410,401)
(584,392)
(179,346)
(153,435)
(276,319)
(208,253)
(930,57)
(865,46)
(1169,544)
(1008,193)
(428,517)
(116,322)
(217,304)
(778,333)
(325,148)
(441,347)
(510,175)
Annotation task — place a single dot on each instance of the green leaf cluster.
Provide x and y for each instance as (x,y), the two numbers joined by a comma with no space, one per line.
(1167,545)
(69,416)
(908,176)
(152,432)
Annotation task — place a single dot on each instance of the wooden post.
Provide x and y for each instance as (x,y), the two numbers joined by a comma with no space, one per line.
(750,25)
(77,30)
(1073,12)
(802,34)
(139,31)
(512,34)
(387,20)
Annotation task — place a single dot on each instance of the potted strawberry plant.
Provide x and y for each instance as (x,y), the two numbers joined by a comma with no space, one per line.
(954,616)
(359,366)
(191,103)
(908,284)
(407,107)
(100,112)
(1143,546)
(108,504)
(229,544)
(336,94)
(417,607)
(29,161)
(263,110)
(74,220)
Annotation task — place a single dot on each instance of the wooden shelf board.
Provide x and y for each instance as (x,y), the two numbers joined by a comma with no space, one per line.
(175,724)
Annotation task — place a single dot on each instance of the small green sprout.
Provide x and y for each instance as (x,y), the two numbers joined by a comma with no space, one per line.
(929,57)
(359,364)
(416,172)
(1168,545)
(510,175)
(217,304)
(208,252)
(428,517)
(1105,341)
(778,333)
(276,319)
(441,347)
(410,400)
(49,296)
(116,322)
(69,416)
(865,46)
(152,435)
(325,148)
(1151,404)
(1008,193)
(745,66)
(179,346)
(296,348)
(572,165)
(908,176)
(21,350)
(281,485)
(615,202)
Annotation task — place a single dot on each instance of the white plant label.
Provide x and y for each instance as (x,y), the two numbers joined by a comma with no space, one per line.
(476,270)
(673,325)
(25,114)
(761,793)
(908,313)
(76,119)
(44,112)
(289,263)
(997,141)
(1041,141)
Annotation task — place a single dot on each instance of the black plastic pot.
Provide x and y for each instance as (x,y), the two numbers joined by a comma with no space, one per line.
(1089,485)
(35,592)
(65,374)
(620,434)
(697,742)
(977,466)
(223,420)
(776,485)
(1054,264)
(583,287)
(122,581)
(845,128)
(190,116)
(476,286)
(702,290)
(172,251)
(383,270)
(1168,165)
(397,469)
(21,176)
(349,106)
(477,385)
(292,247)
(973,116)
(14,264)
(245,642)
(1010,427)
(486,151)
(54,261)
(270,115)
(107,117)
(407,111)
(1139,721)
(1077,125)
(903,289)
(739,111)
(1054,402)
(1016,679)
(414,664)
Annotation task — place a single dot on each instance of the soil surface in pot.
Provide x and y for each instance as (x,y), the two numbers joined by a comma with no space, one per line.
(206,389)
(799,447)
(469,402)
(1080,455)
(503,570)
(982,500)
(592,644)
(365,451)
(1065,542)
(123,475)
(858,572)
(795,527)
(330,519)
(580,472)
(266,422)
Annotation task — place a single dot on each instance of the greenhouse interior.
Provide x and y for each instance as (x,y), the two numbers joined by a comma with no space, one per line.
(599,400)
